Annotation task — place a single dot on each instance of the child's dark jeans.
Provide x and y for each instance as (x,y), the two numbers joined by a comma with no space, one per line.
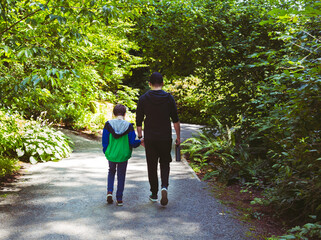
(121,175)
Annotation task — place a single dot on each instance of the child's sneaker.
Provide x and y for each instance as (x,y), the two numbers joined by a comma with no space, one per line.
(153,198)
(119,203)
(164,199)
(110,198)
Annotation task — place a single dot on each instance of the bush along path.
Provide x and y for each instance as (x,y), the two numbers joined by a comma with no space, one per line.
(213,157)
(29,141)
(67,200)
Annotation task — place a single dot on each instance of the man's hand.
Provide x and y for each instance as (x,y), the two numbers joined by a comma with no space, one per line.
(177,127)
(142,142)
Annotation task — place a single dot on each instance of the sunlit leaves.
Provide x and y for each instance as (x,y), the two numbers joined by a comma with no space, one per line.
(50,46)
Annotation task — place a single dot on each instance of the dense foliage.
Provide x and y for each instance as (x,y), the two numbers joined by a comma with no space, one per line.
(9,140)
(192,100)
(63,58)
(259,64)
(29,141)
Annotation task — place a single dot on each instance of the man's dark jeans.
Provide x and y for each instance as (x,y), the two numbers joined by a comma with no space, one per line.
(158,150)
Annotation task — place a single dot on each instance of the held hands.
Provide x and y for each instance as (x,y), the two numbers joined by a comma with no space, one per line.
(177,142)
(142,142)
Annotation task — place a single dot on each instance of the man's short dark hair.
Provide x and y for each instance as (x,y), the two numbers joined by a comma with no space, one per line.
(156,79)
(119,110)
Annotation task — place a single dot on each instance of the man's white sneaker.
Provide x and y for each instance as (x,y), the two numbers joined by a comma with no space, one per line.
(164,199)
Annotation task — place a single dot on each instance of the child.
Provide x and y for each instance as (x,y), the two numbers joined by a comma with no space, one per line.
(118,140)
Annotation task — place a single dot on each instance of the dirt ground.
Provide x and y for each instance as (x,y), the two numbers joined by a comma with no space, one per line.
(261,218)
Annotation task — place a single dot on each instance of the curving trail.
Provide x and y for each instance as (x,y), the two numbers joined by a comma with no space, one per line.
(67,200)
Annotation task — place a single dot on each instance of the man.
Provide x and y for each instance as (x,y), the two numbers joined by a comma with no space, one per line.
(157,108)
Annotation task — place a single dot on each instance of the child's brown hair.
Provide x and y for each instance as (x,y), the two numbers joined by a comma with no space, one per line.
(119,110)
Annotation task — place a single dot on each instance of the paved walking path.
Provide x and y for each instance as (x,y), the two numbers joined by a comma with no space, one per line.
(67,200)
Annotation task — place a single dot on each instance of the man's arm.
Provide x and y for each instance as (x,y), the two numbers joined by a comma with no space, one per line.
(177,127)
(139,117)
(139,131)
(175,119)
(140,134)
(139,121)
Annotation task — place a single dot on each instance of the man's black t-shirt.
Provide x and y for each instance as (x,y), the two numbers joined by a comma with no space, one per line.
(156,108)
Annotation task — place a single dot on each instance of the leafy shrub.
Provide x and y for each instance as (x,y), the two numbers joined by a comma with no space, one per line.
(8,166)
(42,143)
(217,152)
(10,137)
(214,151)
(295,190)
(287,116)
(308,231)
(69,114)
(9,140)
(96,118)
(191,98)
(31,141)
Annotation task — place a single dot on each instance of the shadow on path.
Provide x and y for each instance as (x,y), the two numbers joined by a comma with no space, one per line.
(67,200)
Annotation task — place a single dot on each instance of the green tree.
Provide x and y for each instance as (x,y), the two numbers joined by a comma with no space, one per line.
(59,56)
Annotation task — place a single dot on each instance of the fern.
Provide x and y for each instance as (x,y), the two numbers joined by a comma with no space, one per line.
(212,151)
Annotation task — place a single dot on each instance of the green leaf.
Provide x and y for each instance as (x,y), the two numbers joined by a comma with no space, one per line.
(61,75)
(43,7)
(36,81)
(6,49)
(21,53)
(75,73)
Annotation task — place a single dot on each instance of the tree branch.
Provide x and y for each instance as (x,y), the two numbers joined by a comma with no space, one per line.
(317,39)
(30,14)
(302,47)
